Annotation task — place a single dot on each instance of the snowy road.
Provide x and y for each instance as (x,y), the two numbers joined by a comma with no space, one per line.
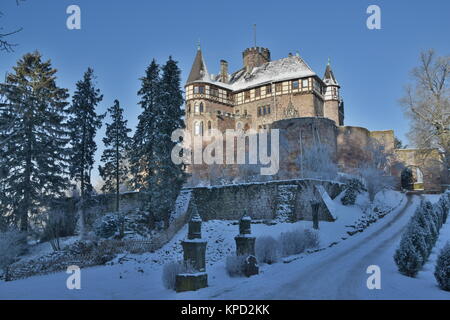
(340,272)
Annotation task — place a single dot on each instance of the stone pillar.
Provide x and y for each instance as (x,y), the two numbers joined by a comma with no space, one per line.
(315,214)
(194,251)
(245,246)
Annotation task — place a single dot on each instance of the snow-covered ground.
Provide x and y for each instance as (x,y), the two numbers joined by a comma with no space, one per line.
(336,272)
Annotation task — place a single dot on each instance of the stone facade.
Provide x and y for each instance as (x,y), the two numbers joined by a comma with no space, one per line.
(284,94)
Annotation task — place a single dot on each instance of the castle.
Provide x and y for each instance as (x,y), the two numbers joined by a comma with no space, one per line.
(287,94)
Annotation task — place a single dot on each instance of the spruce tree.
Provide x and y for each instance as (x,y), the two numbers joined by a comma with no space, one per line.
(114,172)
(83,124)
(166,178)
(142,144)
(33,139)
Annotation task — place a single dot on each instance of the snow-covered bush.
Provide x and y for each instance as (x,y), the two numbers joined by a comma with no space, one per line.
(419,238)
(12,244)
(352,188)
(312,240)
(170,271)
(442,270)
(444,203)
(235,265)
(408,260)
(297,241)
(267,249)
(108,226)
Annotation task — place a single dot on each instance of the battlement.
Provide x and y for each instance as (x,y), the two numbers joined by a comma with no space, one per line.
(255,57)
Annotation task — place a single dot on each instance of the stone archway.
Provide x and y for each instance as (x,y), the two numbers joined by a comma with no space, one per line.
(412,178)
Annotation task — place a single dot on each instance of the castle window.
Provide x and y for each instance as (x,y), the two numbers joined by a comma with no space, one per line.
(305,83)
(269,89)
(257,92)
(239,126)
(264,110)
(209,127)
(201,107)
(198,128)
(214,91)
(245,112)
(189,108)
(259,111)
(199,89)
(278,87)
(247,95)
(268,109)
(196,108)
(295,84)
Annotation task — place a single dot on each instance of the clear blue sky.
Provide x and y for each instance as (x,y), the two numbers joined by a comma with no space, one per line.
(119,38)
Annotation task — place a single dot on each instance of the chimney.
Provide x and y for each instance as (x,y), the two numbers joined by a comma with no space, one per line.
(223,71)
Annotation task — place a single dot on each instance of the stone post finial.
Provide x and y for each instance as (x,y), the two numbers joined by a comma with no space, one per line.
(195,224)
(245,224)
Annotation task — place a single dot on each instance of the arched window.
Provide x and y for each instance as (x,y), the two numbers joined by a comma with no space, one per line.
(196,108)
(239,126)
(201,107)
(209,127)
(198,128)
(189,108)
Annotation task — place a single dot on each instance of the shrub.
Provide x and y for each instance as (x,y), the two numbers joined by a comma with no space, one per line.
(235,266)
(442,270)
(12,244)
(267,249)
(108,225)
(297,241)
(352,189)
(408,260)
(170,271)
(311,239)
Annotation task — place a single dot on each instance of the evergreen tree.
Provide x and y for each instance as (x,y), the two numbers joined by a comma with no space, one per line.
(166,178)
(33,139)
(142,144)
(117,142)
(84,123)
(442,270)
(408,260)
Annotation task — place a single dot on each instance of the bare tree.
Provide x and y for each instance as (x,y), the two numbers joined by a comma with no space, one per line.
(427,104)
(5,45)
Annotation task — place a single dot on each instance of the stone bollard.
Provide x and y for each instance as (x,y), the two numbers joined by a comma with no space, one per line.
(194,251)
(315,214)
(245,246)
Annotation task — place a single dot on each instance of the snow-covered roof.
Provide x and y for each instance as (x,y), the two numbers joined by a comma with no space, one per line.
(292,67)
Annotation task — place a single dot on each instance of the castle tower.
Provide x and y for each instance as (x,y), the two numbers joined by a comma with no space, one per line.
(333,106)
(255,57)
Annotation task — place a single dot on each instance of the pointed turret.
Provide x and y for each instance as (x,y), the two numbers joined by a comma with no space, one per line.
(329,77)
(333,102)
(199,71)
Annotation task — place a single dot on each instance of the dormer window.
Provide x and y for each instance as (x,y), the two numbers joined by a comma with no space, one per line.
(257,92)
(247,95)
(295,85)
(269,89)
